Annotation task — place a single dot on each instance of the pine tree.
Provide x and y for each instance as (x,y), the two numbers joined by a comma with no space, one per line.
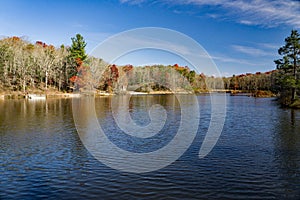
(77,56)
(288,66)
(77,49)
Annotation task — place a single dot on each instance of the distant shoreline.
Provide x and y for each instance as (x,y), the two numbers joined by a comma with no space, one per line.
(65,95)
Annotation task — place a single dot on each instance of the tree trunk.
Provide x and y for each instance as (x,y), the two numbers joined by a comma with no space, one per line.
(294,92)
(24,85)
(46,80)
(59,83)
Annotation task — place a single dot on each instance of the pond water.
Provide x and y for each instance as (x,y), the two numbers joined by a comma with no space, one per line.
(256,157)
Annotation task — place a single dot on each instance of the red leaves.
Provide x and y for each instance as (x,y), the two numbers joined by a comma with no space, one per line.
(51,47)
(40,43)
(80,82)
(271,72)
(44,45)
(83,74)
(73,79)
(181,69)
(15,39)
(78,62)
(111,75)
(114,73)
(202,75)
(127,68)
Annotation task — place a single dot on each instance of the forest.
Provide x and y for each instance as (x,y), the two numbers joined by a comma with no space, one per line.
(40,67)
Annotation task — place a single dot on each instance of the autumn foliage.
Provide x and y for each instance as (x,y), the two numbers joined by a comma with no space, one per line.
(24,66)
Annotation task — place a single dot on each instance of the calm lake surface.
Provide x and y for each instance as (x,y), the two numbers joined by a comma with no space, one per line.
(256,157)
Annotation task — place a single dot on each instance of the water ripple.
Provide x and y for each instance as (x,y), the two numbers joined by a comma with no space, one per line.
(257,156)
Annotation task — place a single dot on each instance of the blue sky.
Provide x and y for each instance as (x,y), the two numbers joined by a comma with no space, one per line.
(240,36)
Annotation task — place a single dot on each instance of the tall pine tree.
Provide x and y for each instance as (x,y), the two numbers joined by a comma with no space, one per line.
(77,49)
(288,66)
(77,56)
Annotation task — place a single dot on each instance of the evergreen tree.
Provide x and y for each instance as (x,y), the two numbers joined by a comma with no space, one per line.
(288,66)
(76,57)
(77,49)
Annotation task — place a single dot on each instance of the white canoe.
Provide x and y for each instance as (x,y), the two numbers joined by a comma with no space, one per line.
(36,97)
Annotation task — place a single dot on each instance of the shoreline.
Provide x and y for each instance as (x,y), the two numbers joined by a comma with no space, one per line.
(65,95)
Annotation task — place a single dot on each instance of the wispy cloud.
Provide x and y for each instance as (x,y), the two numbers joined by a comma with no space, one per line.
(258,12)
(269,46)
(133,2)
(251,51)
(228,59)
(246,22)
(267,13)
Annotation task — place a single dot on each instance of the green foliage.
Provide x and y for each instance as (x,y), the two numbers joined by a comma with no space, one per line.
(295,104)
(77,49)
(288,79)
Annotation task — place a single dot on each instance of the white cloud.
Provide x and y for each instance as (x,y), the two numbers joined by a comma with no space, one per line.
(228,59)
(246,22)
(134,2)
(269,46)
(251,51)
(267,13)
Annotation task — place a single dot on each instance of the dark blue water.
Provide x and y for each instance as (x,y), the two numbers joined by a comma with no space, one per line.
(256,157)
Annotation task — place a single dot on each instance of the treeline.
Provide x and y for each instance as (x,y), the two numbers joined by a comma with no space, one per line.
(173,78)
(252,82)
(26,67)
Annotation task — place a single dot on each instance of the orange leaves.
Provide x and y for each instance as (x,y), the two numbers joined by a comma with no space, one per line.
(83,77)
(15,39)
(73,79)
(44,45)
(114,72)
(127,68)
(180,69)
(80,82)
(40,43)
(202,75)
(78,62)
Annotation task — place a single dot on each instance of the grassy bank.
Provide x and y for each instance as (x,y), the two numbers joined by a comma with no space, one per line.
(263,94)
(295,104)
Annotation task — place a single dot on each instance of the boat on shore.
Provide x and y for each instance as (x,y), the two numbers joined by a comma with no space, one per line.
(36,97)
